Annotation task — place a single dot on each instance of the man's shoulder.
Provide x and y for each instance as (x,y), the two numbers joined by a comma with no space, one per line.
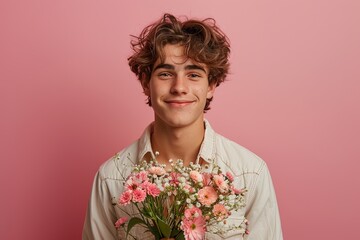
(118,165)
(238,158)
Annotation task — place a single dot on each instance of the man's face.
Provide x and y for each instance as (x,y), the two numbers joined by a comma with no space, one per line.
(178,88)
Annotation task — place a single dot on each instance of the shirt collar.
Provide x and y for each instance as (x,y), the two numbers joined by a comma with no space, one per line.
(145,143)
(207,149)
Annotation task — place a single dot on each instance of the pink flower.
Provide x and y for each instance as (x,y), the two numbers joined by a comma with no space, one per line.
(142,176)
(218,179)
(132,183)
(139,195)
(191,213)
(196,176)
(174,178)
(189,188)
(221,183)
(152,189)
(220,211)
(207,195)
(206,179)
(236,191)
(125,198)
(121,221)
(157,170)
(230,176)
(194,229)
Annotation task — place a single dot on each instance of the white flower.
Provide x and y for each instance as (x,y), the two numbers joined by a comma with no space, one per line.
(182,179)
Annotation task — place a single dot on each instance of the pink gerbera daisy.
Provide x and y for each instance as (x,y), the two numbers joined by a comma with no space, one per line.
(194,229)
(207,195)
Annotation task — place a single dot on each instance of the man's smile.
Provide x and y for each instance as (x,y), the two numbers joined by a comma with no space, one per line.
(178,102)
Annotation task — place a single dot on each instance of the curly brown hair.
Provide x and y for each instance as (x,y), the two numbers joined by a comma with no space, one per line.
(203,41)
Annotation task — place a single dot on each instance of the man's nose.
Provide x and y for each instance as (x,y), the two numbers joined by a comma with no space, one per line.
(179,85)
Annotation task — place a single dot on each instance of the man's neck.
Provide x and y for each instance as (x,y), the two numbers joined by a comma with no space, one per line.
(177,143)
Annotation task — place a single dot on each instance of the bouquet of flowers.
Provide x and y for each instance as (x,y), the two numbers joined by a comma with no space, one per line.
(183,203)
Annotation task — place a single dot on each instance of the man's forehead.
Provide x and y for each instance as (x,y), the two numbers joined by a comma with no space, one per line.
(175,54)
(188,65)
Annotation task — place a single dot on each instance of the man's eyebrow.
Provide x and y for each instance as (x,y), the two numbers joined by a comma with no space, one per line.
(172,67)
(165,66)
(194,67)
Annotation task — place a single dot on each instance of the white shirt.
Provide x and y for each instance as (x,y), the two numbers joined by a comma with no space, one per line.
(248,169)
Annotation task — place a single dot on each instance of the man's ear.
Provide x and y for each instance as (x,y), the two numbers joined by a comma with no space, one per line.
(145,85)
(211,90)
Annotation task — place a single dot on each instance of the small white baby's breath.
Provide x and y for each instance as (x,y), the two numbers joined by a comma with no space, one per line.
(182,179)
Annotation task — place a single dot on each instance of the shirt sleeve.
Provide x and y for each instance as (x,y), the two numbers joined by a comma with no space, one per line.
(100,217)
(262,209)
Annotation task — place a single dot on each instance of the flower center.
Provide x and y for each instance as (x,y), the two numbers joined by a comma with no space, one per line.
(193,226)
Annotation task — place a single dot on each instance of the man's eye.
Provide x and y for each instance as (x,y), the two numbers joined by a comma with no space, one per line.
(164,74)
(194,75)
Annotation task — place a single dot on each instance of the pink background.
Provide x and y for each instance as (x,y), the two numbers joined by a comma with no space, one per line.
(69,102)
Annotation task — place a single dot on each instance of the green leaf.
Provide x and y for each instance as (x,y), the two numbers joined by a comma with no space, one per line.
(133,221)
(164,228)
(180,236)
(154,231)
(175,232)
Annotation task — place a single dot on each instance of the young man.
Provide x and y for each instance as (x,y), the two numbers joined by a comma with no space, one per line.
(179,65)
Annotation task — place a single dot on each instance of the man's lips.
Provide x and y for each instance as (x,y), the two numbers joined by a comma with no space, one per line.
(179,103)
